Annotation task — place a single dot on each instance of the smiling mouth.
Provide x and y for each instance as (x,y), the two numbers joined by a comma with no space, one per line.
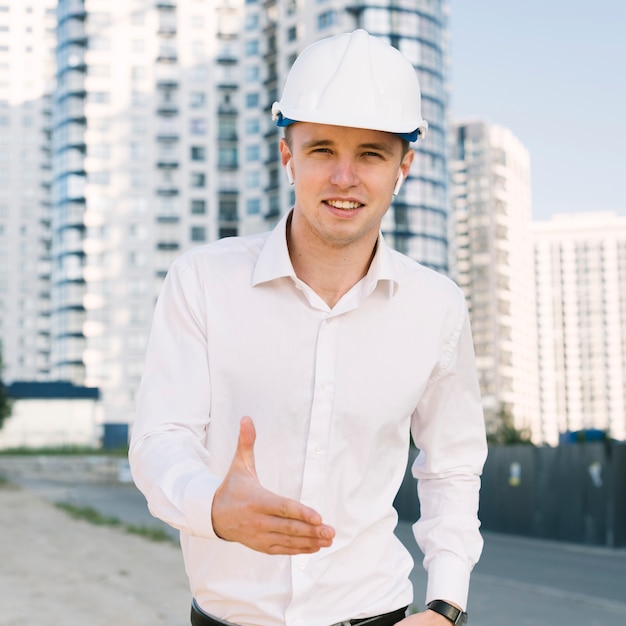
(345,205)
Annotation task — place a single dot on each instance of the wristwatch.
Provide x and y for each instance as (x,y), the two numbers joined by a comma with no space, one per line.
(449,611)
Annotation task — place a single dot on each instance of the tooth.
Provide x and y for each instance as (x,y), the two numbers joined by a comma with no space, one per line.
(339,204)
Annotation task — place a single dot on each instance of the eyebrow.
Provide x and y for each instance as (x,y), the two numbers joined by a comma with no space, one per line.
(325,143)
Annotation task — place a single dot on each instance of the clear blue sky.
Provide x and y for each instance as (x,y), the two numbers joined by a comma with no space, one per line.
(554,72)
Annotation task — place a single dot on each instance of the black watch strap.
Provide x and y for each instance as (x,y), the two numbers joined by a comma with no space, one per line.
(449,611)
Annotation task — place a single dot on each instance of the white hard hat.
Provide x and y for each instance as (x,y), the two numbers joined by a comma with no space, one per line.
(355,80)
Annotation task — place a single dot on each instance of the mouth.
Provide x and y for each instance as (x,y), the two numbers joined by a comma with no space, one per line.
(344,205)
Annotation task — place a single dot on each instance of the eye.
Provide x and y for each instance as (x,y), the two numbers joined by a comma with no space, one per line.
(375,155)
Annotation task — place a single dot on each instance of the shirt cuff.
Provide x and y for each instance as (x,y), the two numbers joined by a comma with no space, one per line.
(448,579)
(198,502)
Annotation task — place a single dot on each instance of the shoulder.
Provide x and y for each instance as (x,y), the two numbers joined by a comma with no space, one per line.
(231,254)
(427,283)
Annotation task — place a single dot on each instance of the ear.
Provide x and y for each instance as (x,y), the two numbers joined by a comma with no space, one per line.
(289,172)
(399,182)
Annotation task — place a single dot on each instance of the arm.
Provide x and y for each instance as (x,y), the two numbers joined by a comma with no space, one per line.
(169,461)
(448,429)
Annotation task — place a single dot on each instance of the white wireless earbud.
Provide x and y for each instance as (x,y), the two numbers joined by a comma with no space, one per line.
(399,182)
(289,172)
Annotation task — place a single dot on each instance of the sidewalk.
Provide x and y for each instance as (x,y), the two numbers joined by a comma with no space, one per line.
(58,570)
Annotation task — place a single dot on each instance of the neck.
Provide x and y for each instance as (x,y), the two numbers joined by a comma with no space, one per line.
(330,270)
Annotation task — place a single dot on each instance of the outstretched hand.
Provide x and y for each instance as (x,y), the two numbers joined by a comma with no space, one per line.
(245,512)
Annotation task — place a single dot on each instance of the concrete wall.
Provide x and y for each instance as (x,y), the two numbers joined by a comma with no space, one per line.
(44,422)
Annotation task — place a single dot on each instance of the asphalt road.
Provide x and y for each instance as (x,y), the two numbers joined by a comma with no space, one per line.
(518,581)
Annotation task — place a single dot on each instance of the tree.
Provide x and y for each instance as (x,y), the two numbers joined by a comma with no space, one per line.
(505,433)
(5,401)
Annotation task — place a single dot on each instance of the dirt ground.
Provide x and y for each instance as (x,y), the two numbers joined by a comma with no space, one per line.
(58,570)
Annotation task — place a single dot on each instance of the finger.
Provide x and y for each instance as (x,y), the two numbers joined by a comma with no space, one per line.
(294,510)
(245,445)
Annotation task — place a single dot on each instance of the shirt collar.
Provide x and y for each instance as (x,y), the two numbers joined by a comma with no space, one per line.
(274,261)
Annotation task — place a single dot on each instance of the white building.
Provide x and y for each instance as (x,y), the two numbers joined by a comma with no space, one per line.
(162,139)
(27,42)
(580,264)
(492,262)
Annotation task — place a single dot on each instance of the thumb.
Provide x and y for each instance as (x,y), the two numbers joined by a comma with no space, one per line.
(245,444)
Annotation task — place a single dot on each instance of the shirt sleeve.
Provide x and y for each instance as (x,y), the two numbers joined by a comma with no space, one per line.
(449,431)
(168,459)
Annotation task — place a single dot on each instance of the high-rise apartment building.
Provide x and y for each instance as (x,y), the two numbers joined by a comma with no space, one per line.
(277,30)
(492,263)
(580,264)
(27,42)
(161,139)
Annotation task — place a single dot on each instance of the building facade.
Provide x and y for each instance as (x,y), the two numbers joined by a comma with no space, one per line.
(27,43)
(492,263)
(580,262)
(158,137)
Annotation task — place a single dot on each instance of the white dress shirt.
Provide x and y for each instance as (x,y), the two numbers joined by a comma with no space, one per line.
(332,393)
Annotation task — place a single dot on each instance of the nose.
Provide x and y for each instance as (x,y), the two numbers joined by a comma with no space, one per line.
(344,174)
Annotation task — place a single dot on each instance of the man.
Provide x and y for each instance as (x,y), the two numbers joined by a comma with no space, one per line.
(285,371)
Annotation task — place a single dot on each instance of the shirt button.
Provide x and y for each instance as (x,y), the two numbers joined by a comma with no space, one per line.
(318,450)
(301,565)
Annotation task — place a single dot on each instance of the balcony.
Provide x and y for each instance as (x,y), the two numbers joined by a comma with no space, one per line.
(167,83)
(167,192)
(71,8)
(167,30)
(167,164)
(167,110)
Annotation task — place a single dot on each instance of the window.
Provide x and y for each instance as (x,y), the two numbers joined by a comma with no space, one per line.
(252,100)
(197,99)
(198,233)
(198,180)
(252,48)
(99,178)
(198,153)
(137,180)
(227,128)
(198,74)
(198,207)
(227,157)
(137,151)
(137,18)
(98,97)
(138,99)
(102,19)
(138,72)
(197,126)
(252,73)
(292,33)
(253,179)
(253,153)
(253,206)
(99,150)
(228,208)
(101,71)
(99,43)
(138,125)
(326,19)
(252,126)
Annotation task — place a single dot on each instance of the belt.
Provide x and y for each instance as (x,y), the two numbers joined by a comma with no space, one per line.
(200,618)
